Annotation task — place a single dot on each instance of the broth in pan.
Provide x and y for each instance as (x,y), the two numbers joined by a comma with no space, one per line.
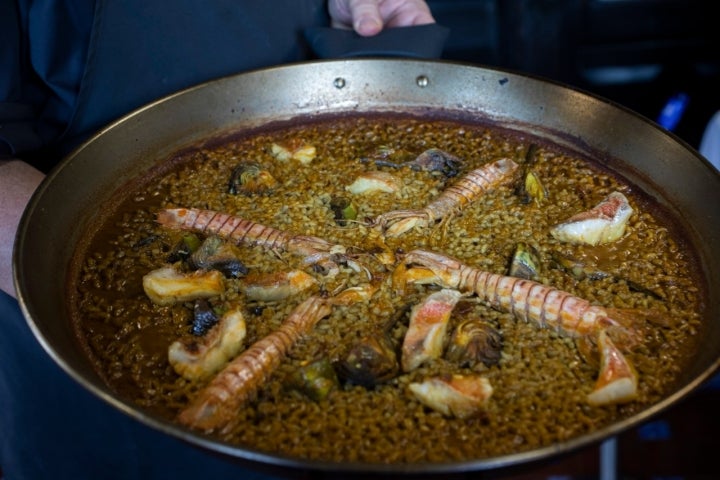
(388,290)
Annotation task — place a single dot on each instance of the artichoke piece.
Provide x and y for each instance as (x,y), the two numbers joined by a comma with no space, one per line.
(216,254)
(525,262)
(204,317)
(533,188)
(369,362)
(188,244)
(343,210)
(475,343)
(248,178)
(315,379)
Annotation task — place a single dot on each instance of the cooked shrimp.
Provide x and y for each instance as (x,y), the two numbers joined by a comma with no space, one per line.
(426,332)
(460,396)
(270,287)
(315,250)
(373,182)
(617,381)
(451,201)
(527,300)
(603,223)
(215,406)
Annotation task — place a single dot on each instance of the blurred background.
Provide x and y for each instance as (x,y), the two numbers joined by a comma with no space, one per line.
(639,53)
(660,58)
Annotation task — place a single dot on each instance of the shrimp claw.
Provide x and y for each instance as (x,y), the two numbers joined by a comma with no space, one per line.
(451,201)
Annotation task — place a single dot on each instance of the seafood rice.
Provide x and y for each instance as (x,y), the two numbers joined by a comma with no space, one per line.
(268,290)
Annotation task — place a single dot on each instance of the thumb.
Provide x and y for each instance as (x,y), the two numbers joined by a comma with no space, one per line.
(363,15)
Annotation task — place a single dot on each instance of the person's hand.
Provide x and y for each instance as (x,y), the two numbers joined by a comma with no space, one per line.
(369,17)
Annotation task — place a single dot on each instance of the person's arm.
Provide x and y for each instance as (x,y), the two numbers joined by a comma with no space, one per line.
(18,181)
(369,17)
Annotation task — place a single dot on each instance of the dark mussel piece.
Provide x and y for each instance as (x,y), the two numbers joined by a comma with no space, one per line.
(145,241)
(531,154)
(436,160)
(184,248)
(431,160)
(249,178)
(343,210)
(216,254)
(577,269)
(386,156)
(649,291)
(475,343)
(525,262)
(314,379)
(369,362)
(204,317)
(580,271)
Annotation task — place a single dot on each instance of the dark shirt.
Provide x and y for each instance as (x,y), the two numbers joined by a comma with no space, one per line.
(72,66)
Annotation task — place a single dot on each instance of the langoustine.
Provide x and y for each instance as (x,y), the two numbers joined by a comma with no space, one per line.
(452,200)
(545,306)
(216,405)
(315,250)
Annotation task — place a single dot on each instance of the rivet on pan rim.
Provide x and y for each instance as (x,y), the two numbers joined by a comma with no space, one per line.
(422,81)
(339,82)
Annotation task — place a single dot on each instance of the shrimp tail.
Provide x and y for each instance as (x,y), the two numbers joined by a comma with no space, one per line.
(627,326)
(215,406)
(617,381)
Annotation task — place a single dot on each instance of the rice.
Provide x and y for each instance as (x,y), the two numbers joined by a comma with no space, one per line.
(541,382)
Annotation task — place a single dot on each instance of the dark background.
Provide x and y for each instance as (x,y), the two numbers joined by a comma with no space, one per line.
(638,53)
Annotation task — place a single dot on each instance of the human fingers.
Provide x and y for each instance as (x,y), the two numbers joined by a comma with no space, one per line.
(361,15)
(405,13)
(368,17)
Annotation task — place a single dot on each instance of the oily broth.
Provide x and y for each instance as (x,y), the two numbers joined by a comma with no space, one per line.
(539,385)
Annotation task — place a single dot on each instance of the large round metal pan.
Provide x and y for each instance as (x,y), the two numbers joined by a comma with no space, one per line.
(67,201)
